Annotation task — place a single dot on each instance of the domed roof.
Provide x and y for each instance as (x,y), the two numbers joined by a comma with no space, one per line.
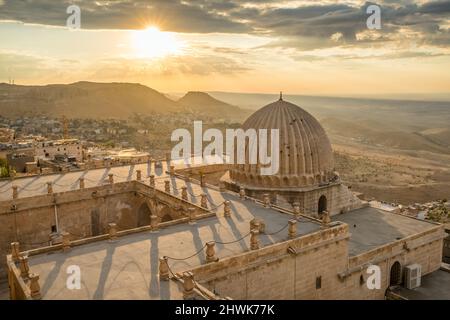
(305,155)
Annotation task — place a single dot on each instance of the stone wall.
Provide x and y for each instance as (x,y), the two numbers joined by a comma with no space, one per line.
(321,268)
(84,213)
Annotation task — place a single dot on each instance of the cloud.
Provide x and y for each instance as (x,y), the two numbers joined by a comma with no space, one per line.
(302,25)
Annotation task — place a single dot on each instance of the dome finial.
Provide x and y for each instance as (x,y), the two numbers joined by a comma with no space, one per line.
(281,96)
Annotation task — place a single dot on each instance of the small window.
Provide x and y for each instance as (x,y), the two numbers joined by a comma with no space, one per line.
(53,228)
(319,282)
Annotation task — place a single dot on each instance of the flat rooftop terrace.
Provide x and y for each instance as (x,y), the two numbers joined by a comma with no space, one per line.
(128,267)
(371,228)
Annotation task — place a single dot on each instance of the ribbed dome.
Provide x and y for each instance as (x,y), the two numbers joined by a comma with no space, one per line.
(305,156)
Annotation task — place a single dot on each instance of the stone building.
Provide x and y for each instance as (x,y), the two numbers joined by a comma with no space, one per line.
(306,175)
(149,232)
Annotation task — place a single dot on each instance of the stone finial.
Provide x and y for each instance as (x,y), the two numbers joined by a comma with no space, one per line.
(112,231)
(211,252)
(296,209)
(204,201)
(24,266)
(111,178)
(49,187)
(172,170)
(192,215)
(65,241)
(81,180)
(163,269)
(227,208)
(266,200)
(258,224)
(152,180)
(184,194)
(242,193)
(138,175)
(188,285)
(35,288)
(15,192)
(326,217)
(154,221)
(292,229)
(15,251)
(167,186)
(254,242)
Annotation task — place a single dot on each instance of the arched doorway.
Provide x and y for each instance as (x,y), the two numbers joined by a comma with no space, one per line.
(322,205)
(143,216)
(395,274)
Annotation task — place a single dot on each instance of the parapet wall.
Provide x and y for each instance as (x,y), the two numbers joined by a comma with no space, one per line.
(287,270)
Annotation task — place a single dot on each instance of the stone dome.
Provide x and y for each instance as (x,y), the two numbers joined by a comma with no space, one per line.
(305,155)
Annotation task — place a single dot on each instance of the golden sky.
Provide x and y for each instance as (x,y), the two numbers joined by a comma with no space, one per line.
(303,47)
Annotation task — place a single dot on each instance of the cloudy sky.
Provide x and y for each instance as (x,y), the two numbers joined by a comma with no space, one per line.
(305,46)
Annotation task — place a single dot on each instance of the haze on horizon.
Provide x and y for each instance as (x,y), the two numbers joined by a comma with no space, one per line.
(300,47)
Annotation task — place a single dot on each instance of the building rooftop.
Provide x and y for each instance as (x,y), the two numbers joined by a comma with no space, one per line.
(434,286)
(128,267)
(372,227)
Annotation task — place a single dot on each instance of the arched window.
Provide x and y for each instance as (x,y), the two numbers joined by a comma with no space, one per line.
(143,216)
(395,274)
(322,205)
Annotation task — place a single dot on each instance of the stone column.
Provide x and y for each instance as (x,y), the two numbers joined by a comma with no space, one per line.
(254,242)
(49,188)
(204,201)
(24,266)
(15,192)
(112,231)
(184,194)
(242,193)
(152,180)
(202,180)
(15,251)
(326,218)
(138,175)
(192,215)
(254,224)
(65,241)
(163,269)
(168,157)
(154,222)
(266,200)
(292,228)
(81,183)
(35,288)
(222,187)
(227,208)
(211,252)
(296,209)
(188,286)
(172,170)
(111,178)
(167,186)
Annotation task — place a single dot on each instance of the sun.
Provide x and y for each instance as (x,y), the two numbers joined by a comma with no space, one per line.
(153,43)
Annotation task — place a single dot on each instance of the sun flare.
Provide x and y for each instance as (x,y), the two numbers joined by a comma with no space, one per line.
(153,43)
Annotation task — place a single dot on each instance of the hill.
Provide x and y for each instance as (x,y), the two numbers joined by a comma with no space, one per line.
(102,100)
(202,102)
